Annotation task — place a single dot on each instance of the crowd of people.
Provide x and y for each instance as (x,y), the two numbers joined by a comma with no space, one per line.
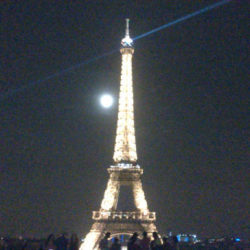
(61,243)
(51,243)
(168,243)
(135,243)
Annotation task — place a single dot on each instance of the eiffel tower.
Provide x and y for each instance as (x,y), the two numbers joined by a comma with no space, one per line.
(125,171)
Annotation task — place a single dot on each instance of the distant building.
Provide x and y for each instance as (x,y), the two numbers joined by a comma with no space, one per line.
(190,238)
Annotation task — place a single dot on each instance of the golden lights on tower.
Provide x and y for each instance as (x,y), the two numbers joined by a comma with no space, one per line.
(125,146)
(125,170)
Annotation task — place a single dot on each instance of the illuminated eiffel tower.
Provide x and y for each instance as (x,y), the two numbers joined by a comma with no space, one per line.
(125,171)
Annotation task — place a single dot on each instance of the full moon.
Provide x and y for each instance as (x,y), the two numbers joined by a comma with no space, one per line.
(106,101)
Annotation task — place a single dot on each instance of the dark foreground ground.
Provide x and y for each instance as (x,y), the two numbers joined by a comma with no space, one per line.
(37,244)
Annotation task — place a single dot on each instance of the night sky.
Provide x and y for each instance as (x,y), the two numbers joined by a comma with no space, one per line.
(191,103)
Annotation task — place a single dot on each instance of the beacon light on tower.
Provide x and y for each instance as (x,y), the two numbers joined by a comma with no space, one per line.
(127,41)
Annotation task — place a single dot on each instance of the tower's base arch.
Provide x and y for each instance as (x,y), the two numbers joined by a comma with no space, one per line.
(116,228)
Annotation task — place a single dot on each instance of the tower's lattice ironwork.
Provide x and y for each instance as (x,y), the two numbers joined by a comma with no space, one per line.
(125,170)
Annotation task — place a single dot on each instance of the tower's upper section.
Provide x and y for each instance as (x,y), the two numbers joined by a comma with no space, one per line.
(127,42)
(125,147)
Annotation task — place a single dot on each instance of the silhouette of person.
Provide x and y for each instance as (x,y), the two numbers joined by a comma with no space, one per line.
(156,242)
(25,245)
(166,245)
(104,243)
(175,243)
(50,243)
(116,245)
(133,243)
(74,242)
(145,241)
(62,242)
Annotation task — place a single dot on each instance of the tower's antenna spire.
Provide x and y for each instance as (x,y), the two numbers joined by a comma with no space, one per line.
(127,41)
(127,26)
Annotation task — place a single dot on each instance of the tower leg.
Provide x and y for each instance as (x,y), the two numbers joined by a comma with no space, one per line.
(93,238)
(90,241)
(110,199)
(139,197)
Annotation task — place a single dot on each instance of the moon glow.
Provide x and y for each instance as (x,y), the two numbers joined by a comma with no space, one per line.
(106,101)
